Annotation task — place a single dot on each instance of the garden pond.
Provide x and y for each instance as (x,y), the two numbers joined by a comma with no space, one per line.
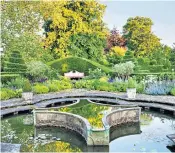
(151,137)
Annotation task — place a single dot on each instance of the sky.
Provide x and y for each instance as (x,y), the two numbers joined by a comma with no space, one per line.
(162,14)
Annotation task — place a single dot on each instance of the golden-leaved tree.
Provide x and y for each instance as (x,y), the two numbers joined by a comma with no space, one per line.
(66,18)
(139,36)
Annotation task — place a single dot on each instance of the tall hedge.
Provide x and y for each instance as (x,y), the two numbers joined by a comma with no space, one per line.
(77,64)
(14,63)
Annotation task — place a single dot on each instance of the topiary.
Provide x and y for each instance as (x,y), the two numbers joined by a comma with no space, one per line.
(14,63)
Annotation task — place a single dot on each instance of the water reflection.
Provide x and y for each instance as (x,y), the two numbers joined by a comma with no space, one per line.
(150,134)
(91,111)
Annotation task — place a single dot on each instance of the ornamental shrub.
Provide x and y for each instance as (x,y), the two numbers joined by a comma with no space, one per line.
(16,83)
(140,87)
(37,70)
(173,92)
(120,86)
(40,89)
(119,51)
(159,88)
(14,62)
(103,86)
(8,77)
(53,87)
(95,74)
(8,93)
(124,69)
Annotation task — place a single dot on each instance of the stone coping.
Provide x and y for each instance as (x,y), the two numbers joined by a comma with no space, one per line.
(43,100)
(104,119)
(10,148)
(170,100)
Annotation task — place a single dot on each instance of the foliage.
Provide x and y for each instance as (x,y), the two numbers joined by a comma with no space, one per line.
(95,74)
(115,39)
(18,17)
(53,87)
(69,18)
(120,86)
(61,84)
(103,86)
(131,83)
(173,92)
(9,93)
(88,84)
(14,63)
(16,83)
(159,88)
(8,77)
(140,87)
(30,47)
(119,51)
(27,86)
(77,64)
(139,36)
(88,46)
(124,69)
(40,89)
(37,70)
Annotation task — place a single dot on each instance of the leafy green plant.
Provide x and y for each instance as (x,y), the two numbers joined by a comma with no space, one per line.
(40,89)
(95,74)
(16,83)
(91,50)
(9,93)
(121,86)
(37,70)
(103,86)
(27,86)
(123,70)
(140,87)
(173,92)
(53,87)
(131,83)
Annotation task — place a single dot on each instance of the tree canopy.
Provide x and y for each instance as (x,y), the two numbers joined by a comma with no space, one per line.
(139,36)
(68,18)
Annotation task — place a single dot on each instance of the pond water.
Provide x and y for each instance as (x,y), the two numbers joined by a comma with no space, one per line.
(151,131)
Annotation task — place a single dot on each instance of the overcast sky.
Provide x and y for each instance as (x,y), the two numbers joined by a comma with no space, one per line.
(162,14)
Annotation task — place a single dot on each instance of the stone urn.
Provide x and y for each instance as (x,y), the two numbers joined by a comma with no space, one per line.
(27,91)
(131,93)
(27,95)
(131,90)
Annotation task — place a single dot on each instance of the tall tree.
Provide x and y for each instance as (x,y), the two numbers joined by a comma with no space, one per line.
(66,18)
(115,39)
(139,36)
(18,17)
(89,46)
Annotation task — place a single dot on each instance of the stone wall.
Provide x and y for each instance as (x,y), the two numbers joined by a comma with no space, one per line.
(59,119)
(121,116)
(82,126)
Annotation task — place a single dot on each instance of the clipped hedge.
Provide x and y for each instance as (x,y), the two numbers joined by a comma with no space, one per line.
(8,77)
(77,64)
(14,63)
